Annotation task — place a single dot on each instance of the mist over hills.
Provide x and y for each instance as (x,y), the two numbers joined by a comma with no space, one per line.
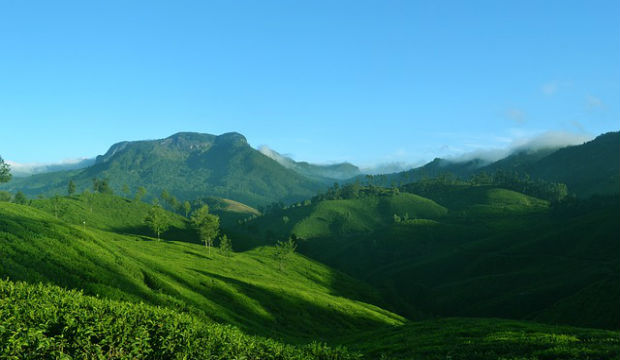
(23,170)
(587,169)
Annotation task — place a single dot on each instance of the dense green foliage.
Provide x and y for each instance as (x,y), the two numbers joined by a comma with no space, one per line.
(45,322)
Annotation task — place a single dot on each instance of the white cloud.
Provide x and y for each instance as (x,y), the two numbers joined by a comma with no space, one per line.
(26,169)
(525,142)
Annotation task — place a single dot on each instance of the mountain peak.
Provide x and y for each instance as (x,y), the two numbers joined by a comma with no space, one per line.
(233,138)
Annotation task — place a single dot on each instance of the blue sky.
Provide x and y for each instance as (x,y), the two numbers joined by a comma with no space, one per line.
(323,81)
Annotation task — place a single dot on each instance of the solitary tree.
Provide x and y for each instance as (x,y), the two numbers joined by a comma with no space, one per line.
(284,249)
(225,245)
(156,220)
(187,207)
(89,198)
(71,188)
(165,195)
(5,171)
(20,198)
(207,225)
(58,206)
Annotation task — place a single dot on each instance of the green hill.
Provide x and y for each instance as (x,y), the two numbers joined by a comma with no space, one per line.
(189,166)
(467,251)
(175,296)
(247,289)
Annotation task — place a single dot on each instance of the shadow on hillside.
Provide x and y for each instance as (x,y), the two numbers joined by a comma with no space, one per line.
(172,234)
(37,251)
(274,313)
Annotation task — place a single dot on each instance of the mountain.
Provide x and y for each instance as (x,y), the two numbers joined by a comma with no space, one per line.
(187,165)
(326,173)
(587,169)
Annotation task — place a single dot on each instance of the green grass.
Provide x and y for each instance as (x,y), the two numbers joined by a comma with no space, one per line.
(247,289)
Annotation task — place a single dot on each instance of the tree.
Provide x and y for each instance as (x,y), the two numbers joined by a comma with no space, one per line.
(156,220)
(5,196)
(101,186)
(20,198)
(187,207)
(225,245)
(5,171)
(58,206)
(207,225)
(284,249)
(140,193)
(71,188)
(89,198)
(165,195)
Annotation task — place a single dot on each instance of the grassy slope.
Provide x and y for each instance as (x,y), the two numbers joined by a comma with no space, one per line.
(307,300)
(471,338)
(495,253)
(41,321)
(247,289)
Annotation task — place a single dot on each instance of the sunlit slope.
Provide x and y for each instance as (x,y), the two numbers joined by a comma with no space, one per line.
(304,299)
(110,213)
(332,218)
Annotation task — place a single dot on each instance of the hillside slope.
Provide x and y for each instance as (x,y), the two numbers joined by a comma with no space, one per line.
(467,251)
(248,290)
